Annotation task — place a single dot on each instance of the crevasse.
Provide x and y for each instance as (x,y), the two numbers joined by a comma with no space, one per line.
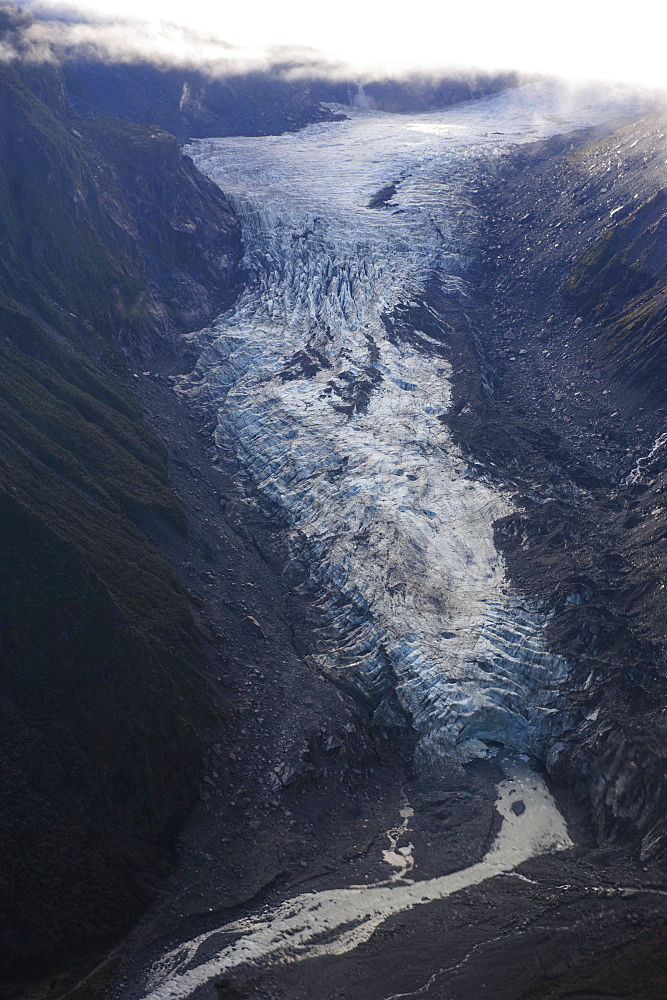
(336,420)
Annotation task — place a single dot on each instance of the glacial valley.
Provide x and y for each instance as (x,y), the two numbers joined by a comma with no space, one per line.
(336,385)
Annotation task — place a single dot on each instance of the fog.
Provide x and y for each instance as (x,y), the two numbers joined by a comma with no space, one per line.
(574,39)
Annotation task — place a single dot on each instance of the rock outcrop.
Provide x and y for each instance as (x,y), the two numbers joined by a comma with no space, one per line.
(105,223)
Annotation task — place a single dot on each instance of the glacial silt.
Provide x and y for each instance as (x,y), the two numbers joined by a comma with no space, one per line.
(335,921)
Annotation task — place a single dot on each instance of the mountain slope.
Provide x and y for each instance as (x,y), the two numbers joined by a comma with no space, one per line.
(111,244)
(574,339)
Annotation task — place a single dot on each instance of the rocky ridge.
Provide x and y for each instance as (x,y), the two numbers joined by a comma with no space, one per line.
(574,414)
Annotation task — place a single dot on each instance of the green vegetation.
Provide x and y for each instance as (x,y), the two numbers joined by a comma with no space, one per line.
(62,253)
(621,282)
(99,685)
(100,682)
(96,757)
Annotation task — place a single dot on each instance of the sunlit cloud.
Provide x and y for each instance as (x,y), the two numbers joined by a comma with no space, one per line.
(576,39)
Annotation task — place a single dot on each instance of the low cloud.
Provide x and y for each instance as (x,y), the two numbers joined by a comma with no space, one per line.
(126,42)
(168,45)
(351,39)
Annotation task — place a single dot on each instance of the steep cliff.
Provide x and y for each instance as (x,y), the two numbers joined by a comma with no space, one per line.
(105,223)
(111,244)
(190,103)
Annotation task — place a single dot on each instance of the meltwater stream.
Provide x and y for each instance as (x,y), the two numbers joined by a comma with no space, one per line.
(335,921)
(336,420)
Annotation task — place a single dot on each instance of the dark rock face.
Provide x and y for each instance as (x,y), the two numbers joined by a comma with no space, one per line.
(106,223)
(572,359)
(415,93)
(109,239)
(190,104)
(186,238)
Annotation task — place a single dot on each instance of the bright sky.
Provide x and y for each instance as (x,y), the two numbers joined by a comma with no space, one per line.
(573,38)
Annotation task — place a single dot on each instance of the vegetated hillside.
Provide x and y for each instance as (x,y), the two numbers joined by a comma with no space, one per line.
(104,223)
(620,282)
(110,242)
(417,92)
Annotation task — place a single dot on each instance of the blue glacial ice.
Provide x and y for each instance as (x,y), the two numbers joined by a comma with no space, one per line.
(395,532)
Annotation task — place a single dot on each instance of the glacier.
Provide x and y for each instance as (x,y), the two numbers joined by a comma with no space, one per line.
(335,418)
